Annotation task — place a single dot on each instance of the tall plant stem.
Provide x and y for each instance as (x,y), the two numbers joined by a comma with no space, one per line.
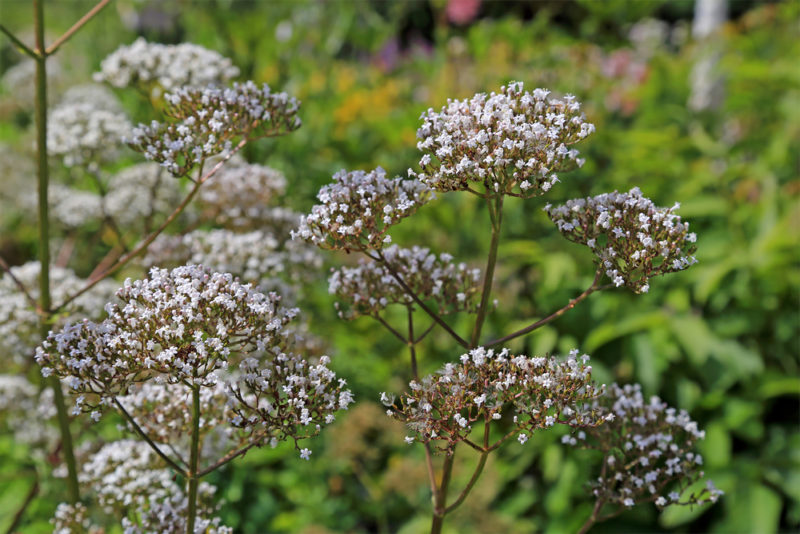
(478,469)
(441,509)
(194,459)
(440,502)
(496,213)
(415,375)
(44,245)
(411,348)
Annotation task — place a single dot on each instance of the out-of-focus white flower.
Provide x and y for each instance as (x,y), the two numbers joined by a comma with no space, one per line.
(144,64)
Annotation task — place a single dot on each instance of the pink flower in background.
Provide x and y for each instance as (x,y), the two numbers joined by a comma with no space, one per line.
(462,11)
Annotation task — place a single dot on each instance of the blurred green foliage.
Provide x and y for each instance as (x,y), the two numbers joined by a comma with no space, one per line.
(720,340)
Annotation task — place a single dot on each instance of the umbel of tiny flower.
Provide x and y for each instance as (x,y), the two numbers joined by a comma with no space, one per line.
(190,326)
(369,287)
(130,481)
(358,208)
(648,451)
(205,121)
(83,133)
(252,256)
(512,142)
(633,239)
(144,65)
(240,195)
(533,393)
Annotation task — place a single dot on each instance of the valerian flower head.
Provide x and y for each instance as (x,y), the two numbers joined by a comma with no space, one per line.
(513,142)
(130,480)
(176,326)
(139,193)
(535,393)
(358,208)
(634,240)
(200,329)
(239,195)
(73,519)
(648,451)
(85,134)
(256,256)
(288,398)
(145,65)
(369,288)
(205,121)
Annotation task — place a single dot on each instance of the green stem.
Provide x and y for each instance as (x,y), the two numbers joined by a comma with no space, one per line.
(412,349)
(590,522)
(553,316)
(440,502)
(44,246)
(381,258)
(194,459)
(496,213)
(142,434)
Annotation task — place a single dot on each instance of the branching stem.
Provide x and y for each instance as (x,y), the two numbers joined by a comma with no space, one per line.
(75,27)
(553,316)
(435,316)
(177,468)
(44,246)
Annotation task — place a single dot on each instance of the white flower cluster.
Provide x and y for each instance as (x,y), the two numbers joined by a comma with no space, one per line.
(19,80)
(180,326)
(19,321)
(146,65)
(191,326)
(370,287)
(138,193)
(358,208)
(98,95)
(240,193)
(289,398)
(129,479)
(204,121)
(163,411)
(648,450)
(485,385)
(633,239)
(26,413)
(512,142)
(252,256)
(73,519)
(82,133)
(169,517)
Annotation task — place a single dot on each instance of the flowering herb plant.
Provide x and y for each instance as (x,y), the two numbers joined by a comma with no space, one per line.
(205,359)
(510,143)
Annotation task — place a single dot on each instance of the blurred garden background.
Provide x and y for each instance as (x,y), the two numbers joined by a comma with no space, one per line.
(708,116)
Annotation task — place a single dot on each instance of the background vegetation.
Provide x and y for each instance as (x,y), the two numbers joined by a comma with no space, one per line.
(720,340)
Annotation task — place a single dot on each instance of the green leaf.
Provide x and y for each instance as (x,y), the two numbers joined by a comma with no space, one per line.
(610,331)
